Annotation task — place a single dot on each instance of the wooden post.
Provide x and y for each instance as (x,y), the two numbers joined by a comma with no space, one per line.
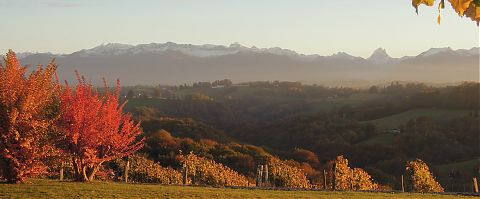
(324,180)
(184,174)
(334,169)
(265,175)
(403,186)
(61,171)
(475,185)
(127,167)
(260,176)
(351,179)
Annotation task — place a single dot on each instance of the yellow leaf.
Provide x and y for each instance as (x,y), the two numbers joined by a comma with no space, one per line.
(416,3)
(473,12)
(460,5)
(441,6)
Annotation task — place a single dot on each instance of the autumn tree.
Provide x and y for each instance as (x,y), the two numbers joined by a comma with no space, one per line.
(422,178)
(95,128)
(468,8)
(26,117)
(342,177)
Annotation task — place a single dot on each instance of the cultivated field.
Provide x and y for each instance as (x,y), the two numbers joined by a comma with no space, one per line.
(55,189)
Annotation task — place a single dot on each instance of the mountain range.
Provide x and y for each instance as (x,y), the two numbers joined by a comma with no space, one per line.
(171,63)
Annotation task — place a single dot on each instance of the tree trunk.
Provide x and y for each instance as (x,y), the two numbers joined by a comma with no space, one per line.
(12,172)
(91,174)
(77,170)
(127,167)
(84,174)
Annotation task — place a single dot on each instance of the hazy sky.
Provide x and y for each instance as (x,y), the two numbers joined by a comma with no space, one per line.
(306,26)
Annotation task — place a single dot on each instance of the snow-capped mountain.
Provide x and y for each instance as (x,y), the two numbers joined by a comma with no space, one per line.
(207,50)
(172,63)
(379,56)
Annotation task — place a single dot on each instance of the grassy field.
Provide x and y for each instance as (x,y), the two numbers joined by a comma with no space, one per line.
(55,189)
(393,121)
(468,166)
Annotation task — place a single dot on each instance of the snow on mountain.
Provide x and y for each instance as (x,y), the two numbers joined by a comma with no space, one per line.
(207,50)
(26,54)
(343,55)
(379,56)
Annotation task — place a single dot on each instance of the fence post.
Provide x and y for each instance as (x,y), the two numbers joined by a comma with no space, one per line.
(324,180)
(184,174)
(259,175)
(403,186)
(127,167)
(475,185)
(265,174)
(61,171)
(351,179)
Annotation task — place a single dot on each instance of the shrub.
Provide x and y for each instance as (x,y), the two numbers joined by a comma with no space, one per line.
(144,170)
(286,175)
(347,178)
(422,178)
(207,172)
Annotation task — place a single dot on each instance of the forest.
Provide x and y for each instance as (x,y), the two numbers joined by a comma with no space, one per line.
(378,128)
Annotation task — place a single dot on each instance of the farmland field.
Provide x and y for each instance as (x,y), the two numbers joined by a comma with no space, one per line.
(55,189)
(393,121)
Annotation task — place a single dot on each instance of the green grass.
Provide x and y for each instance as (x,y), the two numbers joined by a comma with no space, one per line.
(55,189)
(468,166)
(382,138)
(393,121)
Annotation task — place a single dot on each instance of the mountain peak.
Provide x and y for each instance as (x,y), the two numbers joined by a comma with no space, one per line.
(433,51)
(380,56)
(237,45)
(380,51)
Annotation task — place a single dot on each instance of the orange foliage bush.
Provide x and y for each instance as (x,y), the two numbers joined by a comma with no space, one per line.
(144,170)
(207,172)
(287,175)
(423,180)
(347,178)
(26,114)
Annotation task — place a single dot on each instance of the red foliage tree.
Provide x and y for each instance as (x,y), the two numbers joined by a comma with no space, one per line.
(26,118)
(96,129)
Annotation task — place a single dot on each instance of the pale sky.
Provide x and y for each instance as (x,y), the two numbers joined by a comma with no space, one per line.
(306,26)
